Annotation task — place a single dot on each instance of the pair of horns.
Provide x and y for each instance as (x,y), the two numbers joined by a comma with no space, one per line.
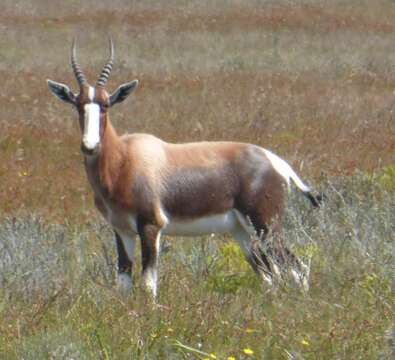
(105,73)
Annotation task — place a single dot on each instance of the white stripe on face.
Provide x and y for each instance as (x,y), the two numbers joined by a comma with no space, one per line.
(91,93)
(91,136)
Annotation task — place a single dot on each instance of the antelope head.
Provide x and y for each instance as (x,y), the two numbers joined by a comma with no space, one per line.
(92,102)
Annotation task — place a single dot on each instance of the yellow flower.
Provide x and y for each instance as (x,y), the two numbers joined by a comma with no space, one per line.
(305,342)
(212,356)
(231,358)
(250,331)
(248,351)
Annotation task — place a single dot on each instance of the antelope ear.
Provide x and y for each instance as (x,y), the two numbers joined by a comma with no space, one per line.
(61,91)
(123,92)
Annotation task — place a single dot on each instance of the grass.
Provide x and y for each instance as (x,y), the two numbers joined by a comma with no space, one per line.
(311,80)
(59,298)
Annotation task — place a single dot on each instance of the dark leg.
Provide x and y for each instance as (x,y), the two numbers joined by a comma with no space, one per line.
(125,250)
(283,256)
(248,239)
(150,237)
(264,252)
(284,261)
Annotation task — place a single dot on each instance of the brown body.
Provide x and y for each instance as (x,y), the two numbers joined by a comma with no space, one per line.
(144,177)
(144,186)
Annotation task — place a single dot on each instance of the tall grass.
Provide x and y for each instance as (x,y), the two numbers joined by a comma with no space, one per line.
(59,299)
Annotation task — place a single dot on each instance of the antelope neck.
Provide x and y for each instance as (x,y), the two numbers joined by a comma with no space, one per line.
(107,162)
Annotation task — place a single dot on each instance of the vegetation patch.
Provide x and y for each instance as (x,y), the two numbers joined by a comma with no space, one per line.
(59,299)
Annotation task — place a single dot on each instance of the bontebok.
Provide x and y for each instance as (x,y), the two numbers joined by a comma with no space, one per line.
(147,187)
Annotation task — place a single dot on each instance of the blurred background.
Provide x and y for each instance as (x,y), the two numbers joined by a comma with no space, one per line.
(313,81)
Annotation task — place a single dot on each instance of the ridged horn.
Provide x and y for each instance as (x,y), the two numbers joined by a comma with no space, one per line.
(76,68)
(105,73)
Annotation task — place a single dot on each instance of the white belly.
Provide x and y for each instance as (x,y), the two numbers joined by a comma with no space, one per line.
(218,224)
(214,224)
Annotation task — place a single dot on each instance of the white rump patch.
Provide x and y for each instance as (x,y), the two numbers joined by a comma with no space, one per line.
(285,170)
(91,136)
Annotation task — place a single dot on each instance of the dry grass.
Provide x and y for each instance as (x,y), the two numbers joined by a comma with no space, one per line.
(310,121)
(57,297)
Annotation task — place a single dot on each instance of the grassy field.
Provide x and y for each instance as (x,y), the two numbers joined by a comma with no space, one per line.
(312,80)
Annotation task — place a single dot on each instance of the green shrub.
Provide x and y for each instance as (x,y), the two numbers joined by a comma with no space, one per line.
(387,177)
(231,271)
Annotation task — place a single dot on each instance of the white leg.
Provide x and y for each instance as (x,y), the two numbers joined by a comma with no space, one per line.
(150,274)
(301,278)
(150,280)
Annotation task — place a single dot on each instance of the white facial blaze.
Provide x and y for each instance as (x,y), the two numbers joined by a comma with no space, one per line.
(91,93)
(91,136)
